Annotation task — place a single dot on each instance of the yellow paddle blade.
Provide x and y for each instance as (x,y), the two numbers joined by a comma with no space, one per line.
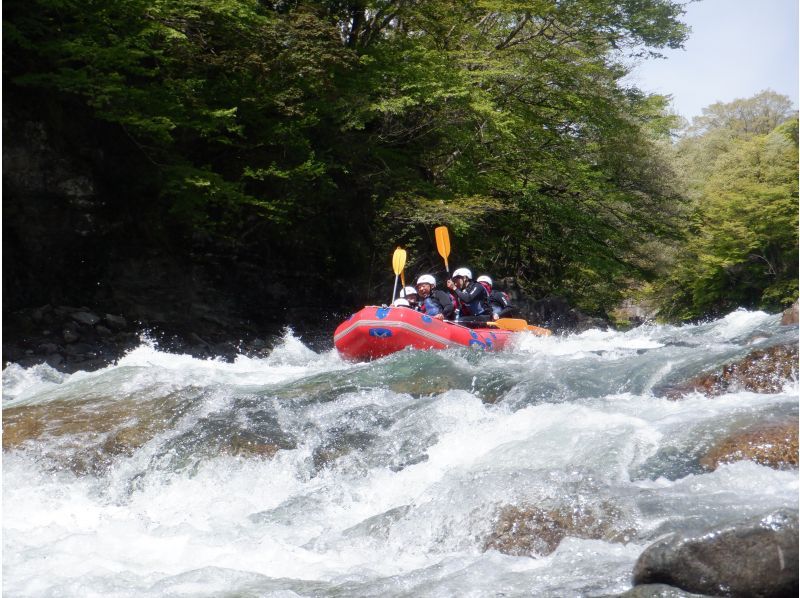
(398,261)
(516,324)
(443,243)
(403,278)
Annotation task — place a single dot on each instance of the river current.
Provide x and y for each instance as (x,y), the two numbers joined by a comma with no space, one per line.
(301,474)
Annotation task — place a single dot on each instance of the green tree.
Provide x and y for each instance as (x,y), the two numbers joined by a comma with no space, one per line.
(742,240)
(323,131)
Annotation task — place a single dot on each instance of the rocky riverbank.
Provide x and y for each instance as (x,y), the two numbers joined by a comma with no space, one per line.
(72,338)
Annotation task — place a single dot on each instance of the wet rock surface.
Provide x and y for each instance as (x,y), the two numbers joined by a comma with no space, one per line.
(756,557)
(762,371)
(86,436)
(532,531)
(770,444)
(791,316)
(656,590)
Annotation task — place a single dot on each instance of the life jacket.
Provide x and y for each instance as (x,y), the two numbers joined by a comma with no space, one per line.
(499,298)
(479,306)
(499,302)
(457,305)
(486,286)
(438,302)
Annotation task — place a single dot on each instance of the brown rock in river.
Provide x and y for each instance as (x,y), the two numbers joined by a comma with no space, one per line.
(763,370)
(790,316)
(773,445)
(107,428)
(531,531)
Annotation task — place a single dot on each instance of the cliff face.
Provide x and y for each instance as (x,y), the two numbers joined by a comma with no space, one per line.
(83,226)
(52,218)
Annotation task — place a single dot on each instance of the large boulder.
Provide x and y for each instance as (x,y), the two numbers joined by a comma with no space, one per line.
(763,371)
(754,558)
(771,444)
(656,590)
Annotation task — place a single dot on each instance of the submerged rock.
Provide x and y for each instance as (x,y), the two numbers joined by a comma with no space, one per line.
(531,531)
(763,371)
(773,445)
(85,436)
(752,558)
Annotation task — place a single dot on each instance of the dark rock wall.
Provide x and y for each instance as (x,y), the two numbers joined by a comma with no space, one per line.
(77,232)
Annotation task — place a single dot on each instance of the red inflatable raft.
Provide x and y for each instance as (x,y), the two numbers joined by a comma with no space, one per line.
(377,331)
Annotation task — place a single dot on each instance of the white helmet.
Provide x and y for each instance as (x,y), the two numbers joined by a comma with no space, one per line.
(408,291)
(426,279)
(400,302)
(485,279)
(465,272)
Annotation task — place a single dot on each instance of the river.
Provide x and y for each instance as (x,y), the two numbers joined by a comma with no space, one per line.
(303,475)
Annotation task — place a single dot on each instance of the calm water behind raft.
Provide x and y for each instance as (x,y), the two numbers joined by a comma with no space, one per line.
(304,475)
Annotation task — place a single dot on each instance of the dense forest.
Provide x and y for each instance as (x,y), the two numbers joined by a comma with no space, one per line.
(299,142)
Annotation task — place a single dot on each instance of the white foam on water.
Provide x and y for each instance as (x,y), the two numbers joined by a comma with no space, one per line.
(147,366)
(20,382)
(288,360)
(738,323)
(355,525)
(590,341)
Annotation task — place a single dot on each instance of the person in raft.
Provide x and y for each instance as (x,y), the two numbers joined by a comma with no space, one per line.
(432,301)
(472,298)
(410,295)
(400,302)
(498,300)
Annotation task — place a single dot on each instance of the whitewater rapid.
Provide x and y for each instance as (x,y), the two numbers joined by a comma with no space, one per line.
(301,474)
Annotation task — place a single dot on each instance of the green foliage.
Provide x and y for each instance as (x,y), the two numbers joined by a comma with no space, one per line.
(331,130)
(741,248)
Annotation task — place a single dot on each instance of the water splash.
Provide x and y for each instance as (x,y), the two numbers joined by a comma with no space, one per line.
(301,474)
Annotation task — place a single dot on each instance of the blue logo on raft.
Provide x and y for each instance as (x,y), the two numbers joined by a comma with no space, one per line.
(480,341)
(382,312)
(427,319)
(380,332)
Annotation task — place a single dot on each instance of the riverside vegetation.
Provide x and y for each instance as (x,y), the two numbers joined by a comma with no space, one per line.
(217,165)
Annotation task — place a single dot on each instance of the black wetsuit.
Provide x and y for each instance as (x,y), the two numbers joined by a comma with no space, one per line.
(500,304)
(474,302)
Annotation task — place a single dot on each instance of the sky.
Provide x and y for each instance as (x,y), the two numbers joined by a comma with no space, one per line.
(736,49)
